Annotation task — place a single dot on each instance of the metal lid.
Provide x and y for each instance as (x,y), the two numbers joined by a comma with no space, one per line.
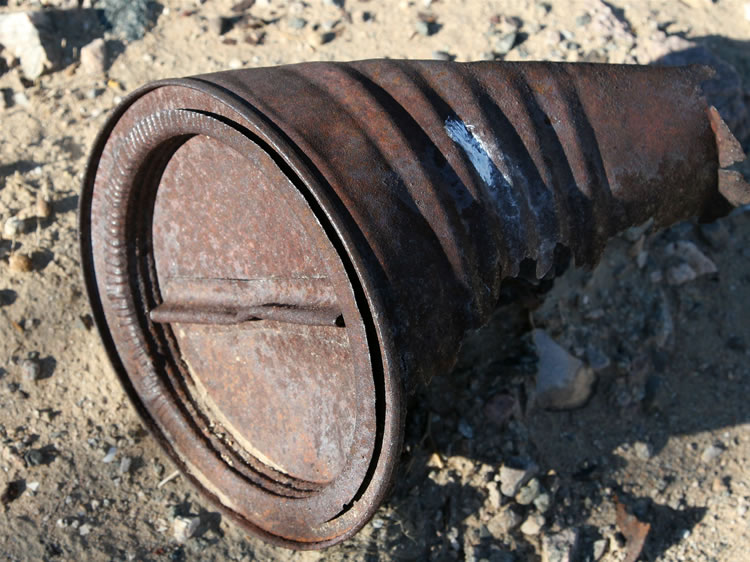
(231,315)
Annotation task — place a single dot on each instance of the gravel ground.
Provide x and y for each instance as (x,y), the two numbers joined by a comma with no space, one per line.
(657,455)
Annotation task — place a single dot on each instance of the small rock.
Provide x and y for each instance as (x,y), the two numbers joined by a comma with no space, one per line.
(716,234)
(94,57)
(12,492)
(218,25)
(423,28)
(129,18)
(533,524)
(561,547)
(43,208)
(125,464)
(529,492)
(493,495)
(514,474)
(504,522)
(297,23)
(596,359)
(12,227)
(20,99)
(500,408)
(505,43)
(31,369)
(184,527)
(583,20)
(562,381)
(33,486)
(542,502)
(242,5)
(600,549)
(336,3)
(712,452)
(29,37)
(34,457)
(110,456)
(19,263)
(442,55)
(634,233)
(696,260)
(465,429)
(642,450)
(680,274)
(84,529)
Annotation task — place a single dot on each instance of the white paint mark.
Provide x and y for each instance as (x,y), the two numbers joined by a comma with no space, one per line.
(495,178)
(475,148)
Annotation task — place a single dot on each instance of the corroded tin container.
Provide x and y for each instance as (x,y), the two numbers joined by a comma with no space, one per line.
(275,257)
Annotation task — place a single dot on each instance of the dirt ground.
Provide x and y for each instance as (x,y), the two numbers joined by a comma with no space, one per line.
(665,434)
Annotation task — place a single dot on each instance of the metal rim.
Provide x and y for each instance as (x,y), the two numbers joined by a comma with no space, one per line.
(380,472)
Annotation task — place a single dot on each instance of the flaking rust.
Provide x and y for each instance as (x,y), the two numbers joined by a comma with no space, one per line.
(276,257)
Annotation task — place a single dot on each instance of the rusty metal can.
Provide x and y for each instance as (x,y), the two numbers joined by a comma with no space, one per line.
(276,257)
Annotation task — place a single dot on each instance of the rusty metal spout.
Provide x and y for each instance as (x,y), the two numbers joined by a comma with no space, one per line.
(275,257)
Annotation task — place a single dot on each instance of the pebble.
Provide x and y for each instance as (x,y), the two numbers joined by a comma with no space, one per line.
(33,486)
(184,527)
(710,453)
(500,408)
(695,263)
(84,529)
(20,99)
(561,547)
(680,274)
(12,227)
(600,549)
(125,464)
(19,263)
(218,25)
(542,502)
(336,3)
(110,456)
(533,524)
(715,233)
(33,457)
(442,55)
(634,233)
(583,20)
(529,492)
(43,208)
(465,429)
(297,23)
(129,18)
(596,359)
(504,522)
(515,474)
(423,28)
(505,43)
(493,495)
(642,450)
(31,369)
(21,35)
(94,57)
(563,381)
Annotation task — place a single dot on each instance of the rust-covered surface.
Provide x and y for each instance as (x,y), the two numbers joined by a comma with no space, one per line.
(276,256)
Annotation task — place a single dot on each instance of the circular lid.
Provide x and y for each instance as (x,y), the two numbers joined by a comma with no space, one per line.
(253,308)
(231,314)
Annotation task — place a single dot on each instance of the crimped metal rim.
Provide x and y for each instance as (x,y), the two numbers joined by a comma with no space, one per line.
(380,476)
